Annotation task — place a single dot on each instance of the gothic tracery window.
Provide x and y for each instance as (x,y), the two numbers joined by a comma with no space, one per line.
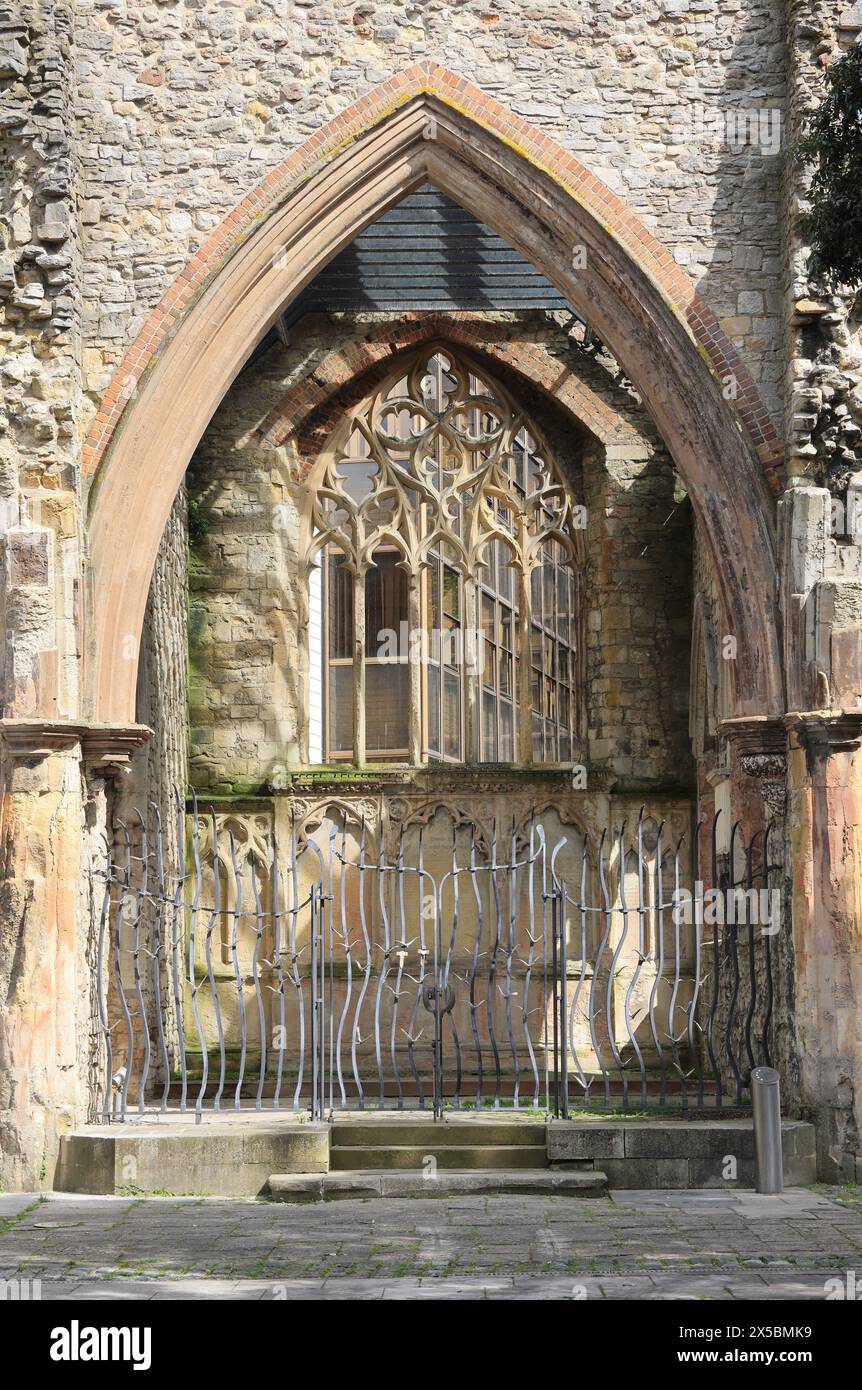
(444,583)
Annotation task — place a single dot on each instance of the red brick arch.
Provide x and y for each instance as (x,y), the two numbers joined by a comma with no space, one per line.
(312,406)
(427,125)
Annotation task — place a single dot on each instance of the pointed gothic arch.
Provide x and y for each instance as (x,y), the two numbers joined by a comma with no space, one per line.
(427,125)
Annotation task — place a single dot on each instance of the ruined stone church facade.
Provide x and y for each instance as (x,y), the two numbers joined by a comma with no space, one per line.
(327,327)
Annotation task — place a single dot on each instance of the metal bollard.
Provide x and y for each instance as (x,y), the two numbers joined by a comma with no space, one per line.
(766,1102)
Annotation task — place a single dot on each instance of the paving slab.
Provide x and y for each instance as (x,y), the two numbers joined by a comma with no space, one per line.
(633,1245)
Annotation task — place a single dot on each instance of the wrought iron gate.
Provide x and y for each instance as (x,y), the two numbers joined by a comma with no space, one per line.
(451,991)
(326,974)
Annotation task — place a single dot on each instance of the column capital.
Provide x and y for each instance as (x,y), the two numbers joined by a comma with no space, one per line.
(825,729)
(105,748)
(757,736)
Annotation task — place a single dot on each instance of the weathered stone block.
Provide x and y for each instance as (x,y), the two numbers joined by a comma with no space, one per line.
(29,557)
(231,1160)
(688,1140)
(645,1173)
(570,1140)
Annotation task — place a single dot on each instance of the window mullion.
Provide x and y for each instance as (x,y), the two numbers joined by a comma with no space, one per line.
(414,697)
(359,756)
(525,668)
(472,679)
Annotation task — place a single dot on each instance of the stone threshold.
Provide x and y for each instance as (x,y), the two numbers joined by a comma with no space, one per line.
(294,1187)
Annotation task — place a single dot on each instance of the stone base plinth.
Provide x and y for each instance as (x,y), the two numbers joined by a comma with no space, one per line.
(233,1157)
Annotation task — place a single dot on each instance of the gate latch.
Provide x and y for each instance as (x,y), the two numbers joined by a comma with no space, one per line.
(431,994)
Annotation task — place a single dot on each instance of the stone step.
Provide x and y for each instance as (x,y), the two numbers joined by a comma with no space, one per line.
(441,1133)
(349,1158)
(318,1187)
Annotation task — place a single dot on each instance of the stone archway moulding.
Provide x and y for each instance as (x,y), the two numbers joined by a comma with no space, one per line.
(427,125)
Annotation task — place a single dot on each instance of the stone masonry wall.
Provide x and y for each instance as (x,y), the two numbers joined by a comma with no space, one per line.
(638,600)
(183,107)
(824,350)
(160,765)
(40,352)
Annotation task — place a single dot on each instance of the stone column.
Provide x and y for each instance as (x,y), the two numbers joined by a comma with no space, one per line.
(46,971)
(825,818)
(42,1016)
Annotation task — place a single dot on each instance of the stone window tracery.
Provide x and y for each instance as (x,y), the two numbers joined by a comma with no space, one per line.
(443,536)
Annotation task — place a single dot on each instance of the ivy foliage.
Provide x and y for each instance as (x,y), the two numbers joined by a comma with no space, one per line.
(832,143)
(198,523)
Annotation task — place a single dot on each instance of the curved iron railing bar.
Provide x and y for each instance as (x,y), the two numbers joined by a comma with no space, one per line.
(474,966)
(399,973)
(697,923)
(492,975)
(770,984)
(594,988)
(432,897)
(582,1078)
(279,970)
(510,952)
(567,900)
(319,900)
(671,1013)
(125,890)
(348,961)
(412,1037)
(176,923)
(158,945)
(215,917)
(502,867)
(545,965)
(528,971)
(658,956)
(716,972)
(104,917)
(752,973)
(555,1002)
(635,977)
(136,957)
(294,959)
(612,972)
(447,968)
(356,1037)
(315,1005)
(234,947)
(193,985)
(732,948)
(559,914)
(331,1011)
(437,1050)
(255,975)
(381,980)
(204,909)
